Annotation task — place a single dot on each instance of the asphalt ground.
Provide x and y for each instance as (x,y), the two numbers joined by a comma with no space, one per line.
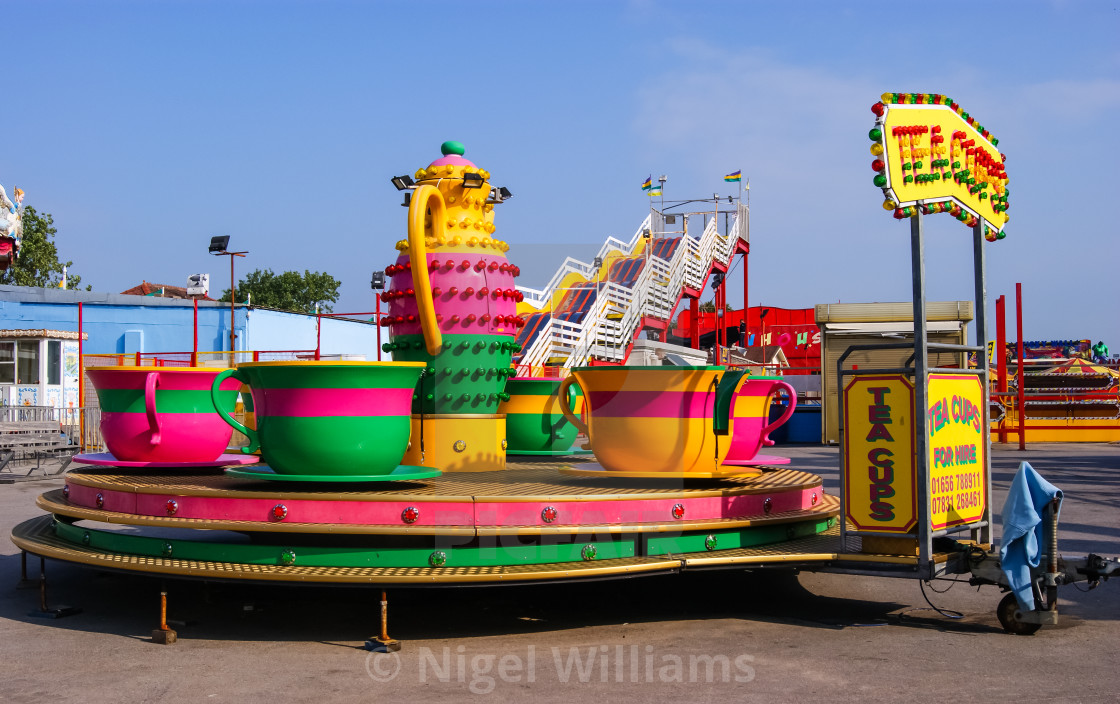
(701,636)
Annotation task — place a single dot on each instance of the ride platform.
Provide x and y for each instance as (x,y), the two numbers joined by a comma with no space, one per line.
(527,523)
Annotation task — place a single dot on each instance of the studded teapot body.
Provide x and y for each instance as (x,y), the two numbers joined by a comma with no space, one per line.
(453,304)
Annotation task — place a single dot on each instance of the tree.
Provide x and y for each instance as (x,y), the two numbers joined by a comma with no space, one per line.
(38,263)
(710,307)
(288,291)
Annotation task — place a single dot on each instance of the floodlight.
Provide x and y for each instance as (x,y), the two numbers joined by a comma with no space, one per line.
(474,180)
(219,244)
(402,183)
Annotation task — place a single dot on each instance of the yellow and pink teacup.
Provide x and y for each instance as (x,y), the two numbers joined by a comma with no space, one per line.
(656,419)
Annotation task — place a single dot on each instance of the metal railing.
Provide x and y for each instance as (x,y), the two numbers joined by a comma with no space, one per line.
(208,358)
(25,414)
(617,312)
(540,298)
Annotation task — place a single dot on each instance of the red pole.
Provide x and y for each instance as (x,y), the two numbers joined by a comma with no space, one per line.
(719,320)
(746,306)
(1019,374)
(318,327)
(377,320)
(232,299)
(194,350)
(715,317)
(694,323)
(1001,357)
(81,382)
(726,319)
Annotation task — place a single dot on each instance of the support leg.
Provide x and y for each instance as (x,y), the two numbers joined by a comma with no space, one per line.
(44,612)
(383,643)
(24,582)
(163,635)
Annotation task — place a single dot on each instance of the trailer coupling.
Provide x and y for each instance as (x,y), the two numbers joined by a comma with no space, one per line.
(1052,572)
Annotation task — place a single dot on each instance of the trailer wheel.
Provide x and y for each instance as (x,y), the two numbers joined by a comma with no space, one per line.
(1008,614)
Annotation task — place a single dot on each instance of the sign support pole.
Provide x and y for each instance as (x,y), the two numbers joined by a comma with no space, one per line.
(921,398)
(979,266)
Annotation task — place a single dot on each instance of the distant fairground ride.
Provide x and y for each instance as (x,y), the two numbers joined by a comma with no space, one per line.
(11,228)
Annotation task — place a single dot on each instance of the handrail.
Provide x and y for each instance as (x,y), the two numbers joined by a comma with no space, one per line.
(655,293)
(538,298)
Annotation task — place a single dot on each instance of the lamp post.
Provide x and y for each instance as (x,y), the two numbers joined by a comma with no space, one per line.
(762,320)
(717,286)
(219,245)
(377,283)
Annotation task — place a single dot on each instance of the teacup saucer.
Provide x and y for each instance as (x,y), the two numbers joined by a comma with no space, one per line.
(106,459)
(547,453)
(402,473)
(768,460)
(597,470)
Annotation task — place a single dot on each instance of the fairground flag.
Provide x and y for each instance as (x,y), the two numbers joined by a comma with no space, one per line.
(734,176)
(654,192)
(648,183)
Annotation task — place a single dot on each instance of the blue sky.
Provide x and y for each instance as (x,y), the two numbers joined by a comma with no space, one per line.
(146,128)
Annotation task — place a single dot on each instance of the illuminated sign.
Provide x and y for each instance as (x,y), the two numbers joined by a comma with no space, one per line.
(931,157)
(879,471)
(957,464)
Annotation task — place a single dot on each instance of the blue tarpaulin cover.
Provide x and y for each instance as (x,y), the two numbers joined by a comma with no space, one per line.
(1021,544)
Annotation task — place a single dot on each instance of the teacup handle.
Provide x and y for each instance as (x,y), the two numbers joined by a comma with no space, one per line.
(566,406)
(766,441)
(726,387)
(254,440)
(150,384)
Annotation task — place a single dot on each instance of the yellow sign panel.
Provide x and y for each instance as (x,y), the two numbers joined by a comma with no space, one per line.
(928,152)
(957,461)
(879,471)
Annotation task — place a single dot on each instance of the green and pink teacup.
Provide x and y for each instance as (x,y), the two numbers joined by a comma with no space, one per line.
(163,414)
(534,419)
(327,418)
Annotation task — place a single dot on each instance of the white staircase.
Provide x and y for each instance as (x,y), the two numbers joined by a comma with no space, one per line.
(609,327)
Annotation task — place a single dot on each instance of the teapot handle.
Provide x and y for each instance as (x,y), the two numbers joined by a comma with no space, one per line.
(423,198)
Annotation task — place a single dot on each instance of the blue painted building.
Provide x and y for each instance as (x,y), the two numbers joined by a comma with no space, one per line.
(125,324)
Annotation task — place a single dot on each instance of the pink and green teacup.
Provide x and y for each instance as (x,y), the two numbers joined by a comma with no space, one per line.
(163,414)
(751,409)
(328,418)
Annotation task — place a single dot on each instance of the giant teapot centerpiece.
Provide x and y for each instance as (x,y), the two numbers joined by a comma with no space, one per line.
(453,305)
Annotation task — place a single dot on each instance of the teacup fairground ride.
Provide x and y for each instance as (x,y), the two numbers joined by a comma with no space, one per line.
(325,429)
